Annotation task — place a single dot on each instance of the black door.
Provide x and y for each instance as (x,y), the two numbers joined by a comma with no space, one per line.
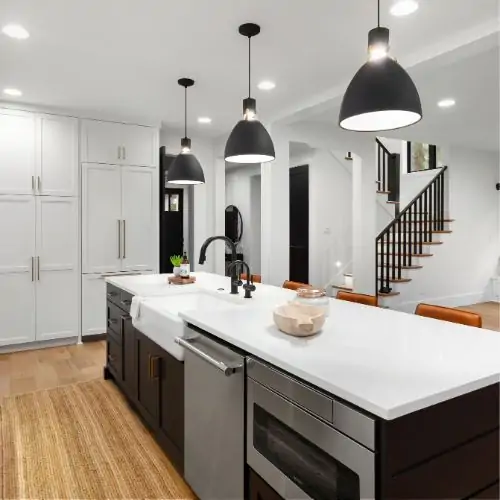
(299,224)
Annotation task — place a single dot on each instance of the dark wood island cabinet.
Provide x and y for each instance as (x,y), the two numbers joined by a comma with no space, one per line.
(149,377)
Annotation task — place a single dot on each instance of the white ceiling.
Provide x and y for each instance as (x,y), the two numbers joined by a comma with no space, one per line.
(123,57)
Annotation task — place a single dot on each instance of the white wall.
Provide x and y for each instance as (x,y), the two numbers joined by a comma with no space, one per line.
(204,195)
(461,269)
(330,215)
(239,192)
(256,222)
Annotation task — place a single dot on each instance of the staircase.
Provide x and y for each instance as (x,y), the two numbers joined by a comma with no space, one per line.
(405,244)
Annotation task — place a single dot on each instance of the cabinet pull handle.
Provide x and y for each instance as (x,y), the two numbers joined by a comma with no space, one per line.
(154,365)
(119,152)
(150,372)
(32,268)
(124,239)
(124,153)
(32,182)
(119,239)
(38,268)
(39,183)
(122,318)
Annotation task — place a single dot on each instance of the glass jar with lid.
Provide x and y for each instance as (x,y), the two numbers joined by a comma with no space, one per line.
(313,297)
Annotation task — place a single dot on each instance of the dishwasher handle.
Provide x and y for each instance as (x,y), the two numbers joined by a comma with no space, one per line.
(220,365)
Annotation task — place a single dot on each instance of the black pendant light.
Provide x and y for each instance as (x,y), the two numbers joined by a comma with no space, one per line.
(249,141)
(381,96)
(186,168)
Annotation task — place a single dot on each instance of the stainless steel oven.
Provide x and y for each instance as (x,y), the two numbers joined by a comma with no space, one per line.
(304,444)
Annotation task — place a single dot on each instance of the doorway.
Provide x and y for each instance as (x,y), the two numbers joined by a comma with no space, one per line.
(299,224)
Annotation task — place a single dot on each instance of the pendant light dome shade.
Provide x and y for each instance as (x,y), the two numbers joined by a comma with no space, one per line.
(381,96)
(186,168)
(249,141)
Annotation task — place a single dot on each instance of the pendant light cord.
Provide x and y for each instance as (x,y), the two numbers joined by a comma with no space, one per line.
(185,111)
(378,13)
(249,66)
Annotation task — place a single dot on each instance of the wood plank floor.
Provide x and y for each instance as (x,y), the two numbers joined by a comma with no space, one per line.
(28,371)
(489,311)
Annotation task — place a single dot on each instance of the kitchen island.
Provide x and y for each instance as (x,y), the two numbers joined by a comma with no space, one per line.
(427,390)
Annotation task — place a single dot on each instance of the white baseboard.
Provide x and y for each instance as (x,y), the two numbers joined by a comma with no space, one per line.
(38,345)
(448,301)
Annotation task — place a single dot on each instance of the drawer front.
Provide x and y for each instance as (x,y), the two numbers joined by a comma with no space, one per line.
(115,361)
(113,294)
(125,300)
(114,320)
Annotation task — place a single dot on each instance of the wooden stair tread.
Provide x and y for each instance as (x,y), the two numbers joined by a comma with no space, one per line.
(342,287)
(402,267)
(446,231)
(424,221)
(348,275)
(383,192)
(390,294)
(393,202)
(442,232)
(397,280)
(388,254)
(414,243)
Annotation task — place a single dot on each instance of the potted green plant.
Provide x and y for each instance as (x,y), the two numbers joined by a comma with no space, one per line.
(176,261)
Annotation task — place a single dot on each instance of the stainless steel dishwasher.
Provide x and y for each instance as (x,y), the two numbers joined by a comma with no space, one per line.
(214,415)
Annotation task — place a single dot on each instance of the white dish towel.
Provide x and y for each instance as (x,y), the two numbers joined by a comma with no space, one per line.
(135,307)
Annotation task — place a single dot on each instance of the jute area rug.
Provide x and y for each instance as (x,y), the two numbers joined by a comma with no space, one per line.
(81,442)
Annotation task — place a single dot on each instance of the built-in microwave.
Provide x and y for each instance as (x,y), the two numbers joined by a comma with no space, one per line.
(305,444)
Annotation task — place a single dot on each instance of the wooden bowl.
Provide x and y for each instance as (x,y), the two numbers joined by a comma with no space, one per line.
(298,319)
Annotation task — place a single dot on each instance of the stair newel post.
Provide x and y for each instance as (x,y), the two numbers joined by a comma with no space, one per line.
(442,200)
(384,167)
(407,239)
(393,251)
(418,225)
(379,177)
(402,254)
(384,268)
(436,204)
(440,213)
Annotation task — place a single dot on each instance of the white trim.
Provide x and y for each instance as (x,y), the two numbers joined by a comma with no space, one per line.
(448,301)
(39,345)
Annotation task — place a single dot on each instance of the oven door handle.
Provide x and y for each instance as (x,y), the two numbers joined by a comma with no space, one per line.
(220,365)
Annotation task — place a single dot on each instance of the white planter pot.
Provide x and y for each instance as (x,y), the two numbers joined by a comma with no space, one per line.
(177,271)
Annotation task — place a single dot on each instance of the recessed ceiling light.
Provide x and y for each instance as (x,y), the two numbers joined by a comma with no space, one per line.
(266,85)
(404,7)
(446,103)
(15,31)
(204,119)
(13,92)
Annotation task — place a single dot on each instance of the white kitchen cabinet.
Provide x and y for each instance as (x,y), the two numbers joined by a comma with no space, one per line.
(93,304)
(119,218)
(17,308)
(57,268)
(17,269)
(57,158)
(17,233)
(140,145)
(100,142)
(117,143)
(38,268)
(57,304)
(17,152)
(101,218)
(138,216)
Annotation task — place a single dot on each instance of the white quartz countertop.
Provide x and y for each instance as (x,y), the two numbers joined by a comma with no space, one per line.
(386,362)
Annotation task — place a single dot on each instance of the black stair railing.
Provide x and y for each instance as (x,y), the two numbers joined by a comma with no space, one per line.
(403,239)
(383,155)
